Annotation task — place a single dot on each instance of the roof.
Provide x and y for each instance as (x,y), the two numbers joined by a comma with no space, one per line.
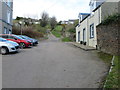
(84,13)
(85,18)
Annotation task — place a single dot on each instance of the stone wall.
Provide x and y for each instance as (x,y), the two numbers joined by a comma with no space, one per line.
(108,38)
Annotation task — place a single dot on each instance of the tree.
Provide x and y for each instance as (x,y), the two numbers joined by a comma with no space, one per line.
(53,22)
(19,18)
(44,19)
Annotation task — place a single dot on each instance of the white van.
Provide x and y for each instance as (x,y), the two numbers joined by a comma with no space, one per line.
(8,46)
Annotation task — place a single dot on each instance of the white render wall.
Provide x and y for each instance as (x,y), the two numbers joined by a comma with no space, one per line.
(106,9)
(94,19)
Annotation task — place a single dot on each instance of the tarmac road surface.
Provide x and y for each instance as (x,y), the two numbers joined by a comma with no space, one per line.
(52,64)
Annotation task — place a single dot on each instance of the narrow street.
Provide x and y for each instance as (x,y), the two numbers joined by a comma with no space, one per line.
(52,64)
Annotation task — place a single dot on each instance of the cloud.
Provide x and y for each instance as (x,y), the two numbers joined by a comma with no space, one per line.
(63,9)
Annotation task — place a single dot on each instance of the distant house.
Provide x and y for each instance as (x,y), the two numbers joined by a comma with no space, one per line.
(6,13)
(64,22)
(25,22)
(72,21)
(86,29)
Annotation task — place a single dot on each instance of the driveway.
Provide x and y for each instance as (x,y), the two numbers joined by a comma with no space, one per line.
(52,64)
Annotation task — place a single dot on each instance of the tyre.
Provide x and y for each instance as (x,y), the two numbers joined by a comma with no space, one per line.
(22,45)
(3,50)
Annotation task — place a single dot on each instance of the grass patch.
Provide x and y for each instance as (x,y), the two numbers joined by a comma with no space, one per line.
(105,57)
(58,28)
(112,78)
(56,34)
(57,31)
(66,39)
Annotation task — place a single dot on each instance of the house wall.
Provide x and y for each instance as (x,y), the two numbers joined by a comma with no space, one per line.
(106,9)
(0,17)
(4,9)
(77,30)
(109,8)
(83,25)
(96,20)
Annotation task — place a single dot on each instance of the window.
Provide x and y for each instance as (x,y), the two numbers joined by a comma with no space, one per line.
(8,16)
(5,30)
(4,36)
(10,31)
(92,31)
(11,37)
(9,3)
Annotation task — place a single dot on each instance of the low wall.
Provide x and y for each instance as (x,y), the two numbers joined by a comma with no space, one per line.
(108,38)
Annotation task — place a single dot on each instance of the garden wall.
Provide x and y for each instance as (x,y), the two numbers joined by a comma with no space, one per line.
(108,38)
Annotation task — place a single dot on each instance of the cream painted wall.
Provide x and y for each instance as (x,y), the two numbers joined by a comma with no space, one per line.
(108,8)
(96,20)
(83,25)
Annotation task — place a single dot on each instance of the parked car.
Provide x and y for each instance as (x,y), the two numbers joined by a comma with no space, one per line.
(8,46)
(23,43)
(34,41)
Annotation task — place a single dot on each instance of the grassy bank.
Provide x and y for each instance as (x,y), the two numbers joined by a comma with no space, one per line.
(57,31)
(113,76)
(56,34)
(66,39)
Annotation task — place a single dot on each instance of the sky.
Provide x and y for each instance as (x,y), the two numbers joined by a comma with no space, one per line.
(61,9)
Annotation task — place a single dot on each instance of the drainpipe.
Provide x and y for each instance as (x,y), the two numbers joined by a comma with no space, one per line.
(88,31)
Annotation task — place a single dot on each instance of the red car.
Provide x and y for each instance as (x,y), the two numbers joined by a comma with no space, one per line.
(23,43)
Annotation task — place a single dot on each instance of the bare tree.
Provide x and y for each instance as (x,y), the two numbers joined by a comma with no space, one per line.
(53,22)
(44,19)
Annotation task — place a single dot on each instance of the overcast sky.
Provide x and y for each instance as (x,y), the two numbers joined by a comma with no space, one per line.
(61,9)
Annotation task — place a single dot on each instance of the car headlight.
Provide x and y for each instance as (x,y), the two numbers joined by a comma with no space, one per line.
(29,41)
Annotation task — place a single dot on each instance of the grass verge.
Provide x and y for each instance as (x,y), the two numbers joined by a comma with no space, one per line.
(66,39)
(105,57)
(113,77)
(56,34)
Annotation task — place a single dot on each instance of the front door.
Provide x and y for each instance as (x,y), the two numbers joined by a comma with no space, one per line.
(84,35)
(79,36)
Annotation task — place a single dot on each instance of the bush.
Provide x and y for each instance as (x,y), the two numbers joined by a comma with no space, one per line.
(110,19)
(28,32)
(66,39)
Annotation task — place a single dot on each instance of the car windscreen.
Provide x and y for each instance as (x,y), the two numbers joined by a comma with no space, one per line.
(3,40)
(18,37)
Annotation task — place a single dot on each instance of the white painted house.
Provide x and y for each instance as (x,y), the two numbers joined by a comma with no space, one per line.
(99,10)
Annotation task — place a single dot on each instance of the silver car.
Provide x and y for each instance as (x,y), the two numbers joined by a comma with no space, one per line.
(8,46)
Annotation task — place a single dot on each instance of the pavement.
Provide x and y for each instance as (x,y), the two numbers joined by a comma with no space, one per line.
(52,64)
(83,47)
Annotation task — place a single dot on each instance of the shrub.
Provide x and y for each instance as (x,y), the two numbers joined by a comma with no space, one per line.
(110,19)
(28,32)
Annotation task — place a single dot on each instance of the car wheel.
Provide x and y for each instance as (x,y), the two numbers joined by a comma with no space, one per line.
(3,50)
(22,45)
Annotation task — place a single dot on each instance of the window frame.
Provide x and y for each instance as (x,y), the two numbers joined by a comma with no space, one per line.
(92,31)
